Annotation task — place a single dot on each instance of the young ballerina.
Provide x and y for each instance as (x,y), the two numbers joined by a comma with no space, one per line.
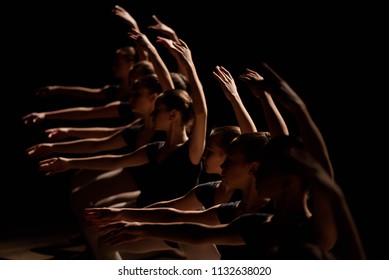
(213,193)
(209,194)
(291,225)
(118,111)
(124,59)
(175,164)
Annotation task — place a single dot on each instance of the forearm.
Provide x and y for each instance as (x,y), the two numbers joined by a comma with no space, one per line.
(274,119)
(197,92)
(81,92)
(93,132)
(180,203)
(189,233)
(88,145)
(244,119)
(160,68)
(105,162)
(167,215)
(313,138)
(75,147)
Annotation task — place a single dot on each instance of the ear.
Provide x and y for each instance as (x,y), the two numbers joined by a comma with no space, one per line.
(173,114)
(153,97)
(253,167)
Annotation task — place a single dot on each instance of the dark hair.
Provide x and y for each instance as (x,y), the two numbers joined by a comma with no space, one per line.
(180,81)
(177,99)
(225,134)
(275,156)
(128,53)
(149,81)
(251,145)
(141,68)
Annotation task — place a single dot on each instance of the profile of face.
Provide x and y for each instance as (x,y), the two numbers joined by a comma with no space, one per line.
(243,159)
(162,116)
(236,171)
(142,102)
(214,155)
(172,108)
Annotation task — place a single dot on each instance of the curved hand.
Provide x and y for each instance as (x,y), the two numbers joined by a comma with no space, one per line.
(100,217)
(226,82)
(254,81)
(178,50)
(46,91)
(140,38)
(124,15)
(57,133)
(163,28)
(33,118)
(40,150)
(52,166)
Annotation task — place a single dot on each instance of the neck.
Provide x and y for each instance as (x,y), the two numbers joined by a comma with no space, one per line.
(176,135)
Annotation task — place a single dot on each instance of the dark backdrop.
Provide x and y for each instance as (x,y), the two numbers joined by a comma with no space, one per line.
(329,54)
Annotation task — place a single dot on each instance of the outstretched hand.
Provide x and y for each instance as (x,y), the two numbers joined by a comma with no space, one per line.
(254,81)
(33,118)
(124,15)
(226,82)
(179,50)
(57,133)
(40,150)
(99,217)
(53,166)
(140,38)
(46,91)
(163,28)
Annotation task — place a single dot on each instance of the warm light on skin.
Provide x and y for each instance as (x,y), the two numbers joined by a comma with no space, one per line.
(235,170)
(161,117)
(213,156)
(141,101)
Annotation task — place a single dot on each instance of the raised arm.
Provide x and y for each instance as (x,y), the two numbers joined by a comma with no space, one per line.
(163,28)
(160,68)
(310,133)
(230,90)
(110,110)
(125,16)
(171,35)
(274,120)
(199,129)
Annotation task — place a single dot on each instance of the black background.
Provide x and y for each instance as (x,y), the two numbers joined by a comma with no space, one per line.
(331,55)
